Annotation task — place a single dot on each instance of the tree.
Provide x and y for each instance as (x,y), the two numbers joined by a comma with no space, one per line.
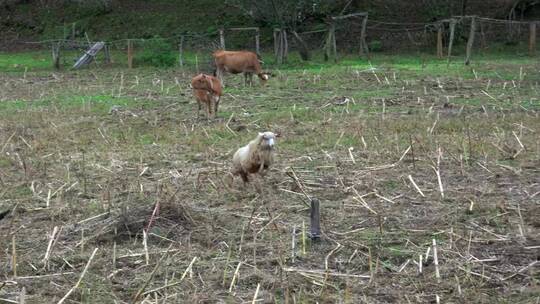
(290,15)
(521,6)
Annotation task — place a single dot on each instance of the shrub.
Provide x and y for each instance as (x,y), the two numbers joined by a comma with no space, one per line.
(375,46)
(157,52)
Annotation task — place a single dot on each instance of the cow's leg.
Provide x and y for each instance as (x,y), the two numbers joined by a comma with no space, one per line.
(219,75)
(248,78)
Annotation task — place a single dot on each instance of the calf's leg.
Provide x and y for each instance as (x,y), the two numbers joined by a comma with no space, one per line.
(216,104)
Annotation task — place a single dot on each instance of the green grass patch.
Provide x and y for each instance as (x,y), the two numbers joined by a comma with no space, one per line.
(96,103)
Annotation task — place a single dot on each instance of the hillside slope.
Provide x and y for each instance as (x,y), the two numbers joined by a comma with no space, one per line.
(24,20)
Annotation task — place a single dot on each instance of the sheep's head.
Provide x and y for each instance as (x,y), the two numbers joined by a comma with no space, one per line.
(267,140)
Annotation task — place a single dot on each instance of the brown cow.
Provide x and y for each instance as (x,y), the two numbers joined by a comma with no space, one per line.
(237,62)
(207,90)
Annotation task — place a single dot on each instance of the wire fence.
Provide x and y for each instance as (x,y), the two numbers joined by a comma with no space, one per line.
(194,49)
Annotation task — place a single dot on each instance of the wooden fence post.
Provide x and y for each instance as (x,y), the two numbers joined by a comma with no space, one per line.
(107,54)
(334,43)
(440,40)
(278,46)
(222,39)
(285,45)
(364,49)
(330,45)
(281,46)
(315,218)
(532,38)
(451,39)
(56,55)
(483,43)
(181,51)
(470,42)
(257,37)
(130,53)
(276,43)
(326,47)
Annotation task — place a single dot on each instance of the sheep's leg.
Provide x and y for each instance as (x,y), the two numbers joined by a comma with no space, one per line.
(244,177)
(229,179)
(258,186)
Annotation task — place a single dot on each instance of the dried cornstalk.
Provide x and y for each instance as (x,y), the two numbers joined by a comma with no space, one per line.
(256,294)
(188,269)
(234,277)
(140,291)
(438,172)
(436,262)
(416,186)
(80,278)
(49,247)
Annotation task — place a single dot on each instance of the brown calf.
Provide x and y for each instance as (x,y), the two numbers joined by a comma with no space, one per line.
(236,62)
(207,90)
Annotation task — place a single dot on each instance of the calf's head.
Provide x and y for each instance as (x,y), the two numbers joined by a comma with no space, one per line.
(202,82)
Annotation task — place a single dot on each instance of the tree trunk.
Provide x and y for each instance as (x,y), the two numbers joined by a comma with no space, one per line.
(470,42)
(364,49)
(304,50)
(451,39)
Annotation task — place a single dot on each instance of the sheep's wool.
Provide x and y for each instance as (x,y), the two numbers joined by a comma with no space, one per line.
(242,153)
(255,156)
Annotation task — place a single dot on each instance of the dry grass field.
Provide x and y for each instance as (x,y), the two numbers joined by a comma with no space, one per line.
(402,154)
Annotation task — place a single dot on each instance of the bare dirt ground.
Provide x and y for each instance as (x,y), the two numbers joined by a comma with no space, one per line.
(400,159)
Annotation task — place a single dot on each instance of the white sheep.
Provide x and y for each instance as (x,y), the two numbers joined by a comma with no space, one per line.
(254,157)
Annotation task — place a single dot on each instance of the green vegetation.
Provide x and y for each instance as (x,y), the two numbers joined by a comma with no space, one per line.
(157,52)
